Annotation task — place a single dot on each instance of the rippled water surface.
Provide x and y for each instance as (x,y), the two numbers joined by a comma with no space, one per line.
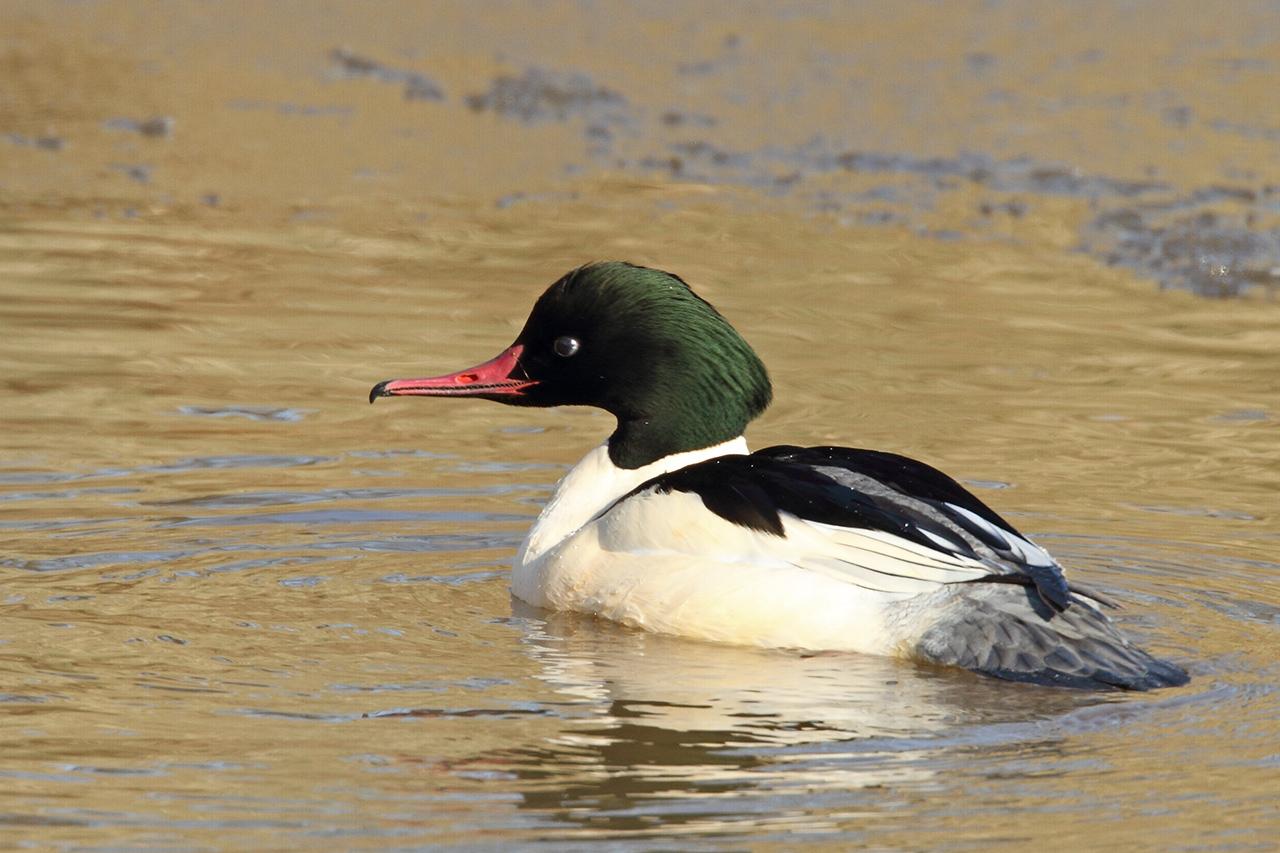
(241,607)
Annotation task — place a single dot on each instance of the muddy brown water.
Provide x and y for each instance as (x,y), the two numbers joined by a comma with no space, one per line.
(241,607)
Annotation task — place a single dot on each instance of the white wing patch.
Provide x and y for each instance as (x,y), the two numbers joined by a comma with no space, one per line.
(875,559)
(1026,551)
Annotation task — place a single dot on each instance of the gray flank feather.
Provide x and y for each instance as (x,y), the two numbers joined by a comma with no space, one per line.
(1001,630)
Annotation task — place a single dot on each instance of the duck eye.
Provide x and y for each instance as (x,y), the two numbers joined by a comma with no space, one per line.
(566,346)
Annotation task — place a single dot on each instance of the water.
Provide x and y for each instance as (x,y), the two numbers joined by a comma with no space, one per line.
(239,606)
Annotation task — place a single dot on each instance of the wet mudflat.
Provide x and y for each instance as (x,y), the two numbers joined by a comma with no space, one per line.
(238,605)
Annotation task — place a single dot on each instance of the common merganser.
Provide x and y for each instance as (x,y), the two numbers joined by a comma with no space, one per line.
(673,526)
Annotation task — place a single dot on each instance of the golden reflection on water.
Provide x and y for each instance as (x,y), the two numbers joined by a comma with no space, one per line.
(238,602)
(284,598)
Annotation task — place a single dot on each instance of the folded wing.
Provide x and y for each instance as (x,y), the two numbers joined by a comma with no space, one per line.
(884,521)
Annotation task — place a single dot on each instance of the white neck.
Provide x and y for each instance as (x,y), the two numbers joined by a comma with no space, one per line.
(596,482)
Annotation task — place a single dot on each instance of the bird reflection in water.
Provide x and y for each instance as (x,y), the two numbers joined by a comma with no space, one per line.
(662,732)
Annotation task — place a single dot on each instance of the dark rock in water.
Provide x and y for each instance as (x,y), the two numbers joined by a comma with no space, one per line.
(1216,241)
(676,118)
(156,127)
(355,66)
(1219,240)
(538,95)
(417,87)
(1210,242)
(137,172)
(46,143)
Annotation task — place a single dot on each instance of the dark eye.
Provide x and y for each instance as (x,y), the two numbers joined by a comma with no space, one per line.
(566,346)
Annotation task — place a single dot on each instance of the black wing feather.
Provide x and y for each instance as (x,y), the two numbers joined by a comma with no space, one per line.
(752,491)
(901,473)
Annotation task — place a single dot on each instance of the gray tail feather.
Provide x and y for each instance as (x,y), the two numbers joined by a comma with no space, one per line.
(1008,632)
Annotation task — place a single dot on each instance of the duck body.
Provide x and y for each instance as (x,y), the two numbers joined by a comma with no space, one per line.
(673,526)
(629,549)
(820,549)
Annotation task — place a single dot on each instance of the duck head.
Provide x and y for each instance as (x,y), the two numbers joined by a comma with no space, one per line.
(634,341)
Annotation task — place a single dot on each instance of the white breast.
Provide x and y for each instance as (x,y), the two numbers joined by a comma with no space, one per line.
(591,486)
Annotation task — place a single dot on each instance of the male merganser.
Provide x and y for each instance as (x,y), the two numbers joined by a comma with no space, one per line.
(673,526)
